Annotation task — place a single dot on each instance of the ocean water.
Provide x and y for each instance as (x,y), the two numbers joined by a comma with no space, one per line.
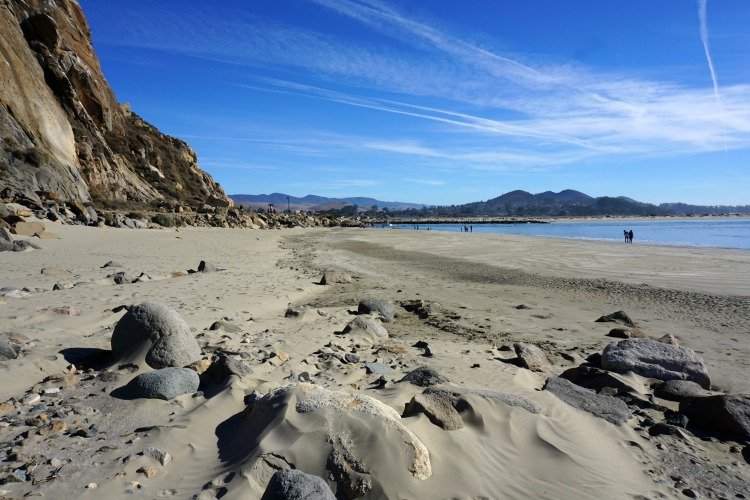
(720,233)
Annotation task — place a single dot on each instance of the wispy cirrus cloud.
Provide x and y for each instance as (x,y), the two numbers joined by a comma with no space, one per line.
(547,113)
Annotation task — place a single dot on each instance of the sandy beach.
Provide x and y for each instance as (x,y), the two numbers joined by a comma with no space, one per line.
(300,391)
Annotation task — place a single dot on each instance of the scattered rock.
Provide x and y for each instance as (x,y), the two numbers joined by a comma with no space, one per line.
(424,376)
(625,333)
(65,310)
(149,472)
(122,278)
(367,326)
(607,407)
(160,456)
(444,406)
(654,359)
(531,357)
(382,308)
(378,368)
(62,286)
(165,383)
(292,484)
(160,331)
(723,415)
(224,367)
(8,350)
(54,272)
(669,339)
(207,267)
(111,263)
(616,317)
(677,390)
(522,306)
(331,277)
(226,326)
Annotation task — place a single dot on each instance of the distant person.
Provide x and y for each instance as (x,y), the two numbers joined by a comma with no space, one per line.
(627,235)
(630,236)
(471,229)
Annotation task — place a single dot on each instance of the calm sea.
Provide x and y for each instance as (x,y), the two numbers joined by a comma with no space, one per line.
(721,233)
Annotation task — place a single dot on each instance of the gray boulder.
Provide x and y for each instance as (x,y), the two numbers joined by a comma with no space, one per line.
(6,240)
(531,357)
(424,376)
(444,406)
(158,330)
(609,408)
(724,415)
(293,484)
(654,359)
(382,308)
(677,390)
(166,383)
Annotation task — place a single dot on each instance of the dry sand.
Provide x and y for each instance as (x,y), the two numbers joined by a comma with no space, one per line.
(221,448)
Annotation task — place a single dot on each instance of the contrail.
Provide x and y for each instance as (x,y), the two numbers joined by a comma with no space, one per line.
(704,39)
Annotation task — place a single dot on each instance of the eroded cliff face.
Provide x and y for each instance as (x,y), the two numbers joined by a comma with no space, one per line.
(63,133)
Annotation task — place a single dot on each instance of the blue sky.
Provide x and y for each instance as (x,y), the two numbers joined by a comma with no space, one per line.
(444,102)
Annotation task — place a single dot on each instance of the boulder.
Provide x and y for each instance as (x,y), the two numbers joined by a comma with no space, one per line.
(165,383)
(724,415)
(609,408)
(28,228)
(654,359)
(160,332)
(331,277)
(367,326)
(616,317)
(424,376)
(382,308)
(677,390)
(293,484)
(531,357)
(444,406)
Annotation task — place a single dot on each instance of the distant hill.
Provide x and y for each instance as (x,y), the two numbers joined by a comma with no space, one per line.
(317,203)
(566,203)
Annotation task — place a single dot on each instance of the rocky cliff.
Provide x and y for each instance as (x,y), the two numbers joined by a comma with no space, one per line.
(64,135)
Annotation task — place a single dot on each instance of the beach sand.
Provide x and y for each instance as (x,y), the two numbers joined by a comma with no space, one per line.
(228,440)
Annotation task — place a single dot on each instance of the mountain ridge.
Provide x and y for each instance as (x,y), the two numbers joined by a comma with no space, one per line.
(568,202)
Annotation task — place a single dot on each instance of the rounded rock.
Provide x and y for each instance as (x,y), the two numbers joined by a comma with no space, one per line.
(160,330)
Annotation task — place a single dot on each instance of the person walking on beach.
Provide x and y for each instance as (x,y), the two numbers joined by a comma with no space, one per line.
(630,236)
(627,235)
